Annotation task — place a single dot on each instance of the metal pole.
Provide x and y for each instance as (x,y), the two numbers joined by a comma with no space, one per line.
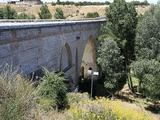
(91,85)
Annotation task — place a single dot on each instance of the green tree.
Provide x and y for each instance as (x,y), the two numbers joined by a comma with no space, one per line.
(147,47)
(111,61)
(147,40)
(53,87)
(121,26)
(44,12)
(59,14)
(9,13)
(148,73)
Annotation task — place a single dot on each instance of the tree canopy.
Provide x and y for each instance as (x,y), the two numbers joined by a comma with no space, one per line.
(111,62)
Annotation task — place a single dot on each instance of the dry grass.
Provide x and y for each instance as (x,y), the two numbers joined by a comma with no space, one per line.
(70,11)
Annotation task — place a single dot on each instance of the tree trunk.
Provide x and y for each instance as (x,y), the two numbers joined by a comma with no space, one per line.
(130,83)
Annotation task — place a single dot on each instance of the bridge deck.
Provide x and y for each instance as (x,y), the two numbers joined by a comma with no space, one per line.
(12,24)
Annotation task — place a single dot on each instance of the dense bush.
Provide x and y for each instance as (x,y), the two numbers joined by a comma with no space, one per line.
(7,13)
(53,89)
(17,98)
(44,12)
(92,15)
(59,14)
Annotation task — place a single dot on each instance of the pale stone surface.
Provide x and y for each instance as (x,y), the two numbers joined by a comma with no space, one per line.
(29,46)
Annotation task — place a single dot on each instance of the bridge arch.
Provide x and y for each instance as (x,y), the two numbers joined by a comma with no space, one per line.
(66,58)
(89,57)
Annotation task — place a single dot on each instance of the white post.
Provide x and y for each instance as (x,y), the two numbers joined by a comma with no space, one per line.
(91,85)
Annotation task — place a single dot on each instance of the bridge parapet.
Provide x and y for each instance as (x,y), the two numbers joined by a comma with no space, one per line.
(16,24)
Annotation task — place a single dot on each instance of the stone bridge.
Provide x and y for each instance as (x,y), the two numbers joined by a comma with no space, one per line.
(67,46)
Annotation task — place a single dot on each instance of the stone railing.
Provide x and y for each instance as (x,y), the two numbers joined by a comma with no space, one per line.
(16,24)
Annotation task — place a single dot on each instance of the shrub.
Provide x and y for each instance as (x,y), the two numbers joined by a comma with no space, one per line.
(7,13)
(53,87)
(44,12)
(25,16)
(16,98)
(59,14)
(92,15)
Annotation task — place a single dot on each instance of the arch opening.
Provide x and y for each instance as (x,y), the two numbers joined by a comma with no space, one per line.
(89,58)
(66,58)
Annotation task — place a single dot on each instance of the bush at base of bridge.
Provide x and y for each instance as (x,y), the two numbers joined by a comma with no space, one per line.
(52,89)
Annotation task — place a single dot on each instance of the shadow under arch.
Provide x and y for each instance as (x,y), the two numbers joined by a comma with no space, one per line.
(89,57)
(66,58)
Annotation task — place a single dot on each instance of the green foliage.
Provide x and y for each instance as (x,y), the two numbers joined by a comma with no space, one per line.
(53,87)
(17,98)
(147,40)
(92,15)
(7,13)
(147,44)
(121,27)
(25,16)
(44,12)
(111,61)
(122,21)
(148,73)
(59,14)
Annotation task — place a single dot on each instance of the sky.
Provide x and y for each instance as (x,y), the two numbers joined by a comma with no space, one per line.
(150,1)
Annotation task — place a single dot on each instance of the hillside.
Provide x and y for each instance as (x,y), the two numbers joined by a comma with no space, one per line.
(70,11)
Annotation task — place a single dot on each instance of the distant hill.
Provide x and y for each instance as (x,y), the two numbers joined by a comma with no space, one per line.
(70,11)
